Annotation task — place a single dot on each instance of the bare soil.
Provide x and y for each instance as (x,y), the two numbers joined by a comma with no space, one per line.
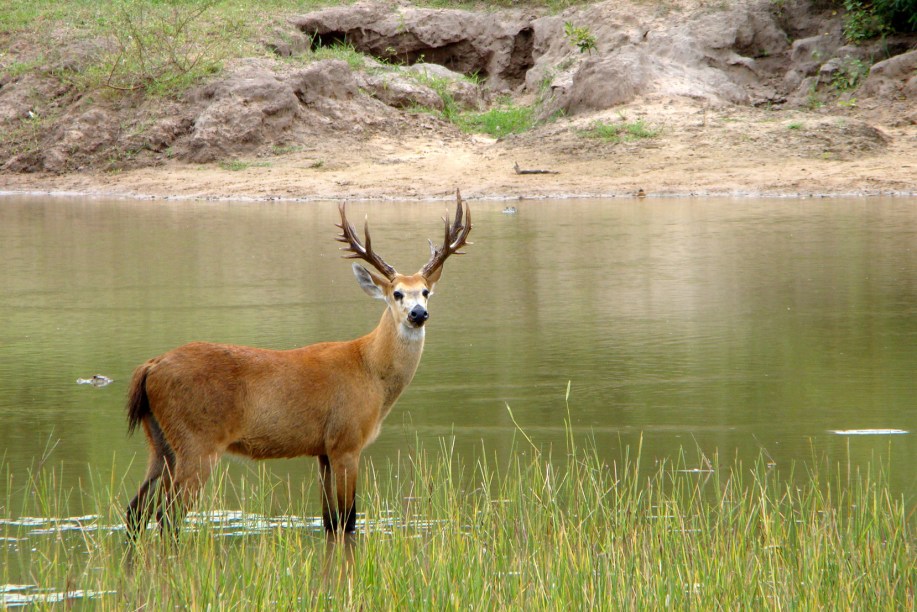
(727,151)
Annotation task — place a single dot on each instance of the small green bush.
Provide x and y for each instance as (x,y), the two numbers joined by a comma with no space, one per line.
(451,111)
(867,19)
(580,37)
(849,74)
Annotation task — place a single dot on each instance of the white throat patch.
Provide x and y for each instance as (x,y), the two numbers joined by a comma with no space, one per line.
(410,333)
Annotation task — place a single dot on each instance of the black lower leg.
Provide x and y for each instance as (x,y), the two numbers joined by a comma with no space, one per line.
(133,519)
(329,516)
(330,521)
(170,516)
(350,518)
(333,519)
(139,509)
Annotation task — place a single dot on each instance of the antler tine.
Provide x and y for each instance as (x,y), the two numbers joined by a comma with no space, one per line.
(357,248)
(455,237)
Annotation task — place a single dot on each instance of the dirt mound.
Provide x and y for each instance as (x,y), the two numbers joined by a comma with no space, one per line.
(706,54)
(894,78)
(584,61)
(258,104)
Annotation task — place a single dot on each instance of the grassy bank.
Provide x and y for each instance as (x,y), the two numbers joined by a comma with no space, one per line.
(534,531)
(25,13)
(125,47)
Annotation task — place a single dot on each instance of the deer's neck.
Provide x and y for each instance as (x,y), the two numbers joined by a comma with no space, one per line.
(391,352)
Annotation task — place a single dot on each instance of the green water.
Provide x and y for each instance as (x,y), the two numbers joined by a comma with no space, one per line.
(718,326)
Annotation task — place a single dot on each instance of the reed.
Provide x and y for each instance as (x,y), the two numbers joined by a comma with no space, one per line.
(534,528)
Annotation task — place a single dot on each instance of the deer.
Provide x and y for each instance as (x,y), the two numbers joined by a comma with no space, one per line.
(327,400)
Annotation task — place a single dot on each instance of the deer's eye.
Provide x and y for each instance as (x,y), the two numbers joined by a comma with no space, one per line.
(398,295)
(426,292)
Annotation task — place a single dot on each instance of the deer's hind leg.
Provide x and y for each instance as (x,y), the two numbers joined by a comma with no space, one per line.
(148,497)
(182,487)
(326,480)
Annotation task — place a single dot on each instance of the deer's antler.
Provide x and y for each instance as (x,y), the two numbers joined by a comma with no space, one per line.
(358,250)
(455,239)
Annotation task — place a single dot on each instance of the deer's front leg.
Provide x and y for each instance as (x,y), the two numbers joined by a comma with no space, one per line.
(326,480)
(345,467)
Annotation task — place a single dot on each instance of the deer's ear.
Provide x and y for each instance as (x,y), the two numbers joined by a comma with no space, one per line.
(433,277)
(369,282)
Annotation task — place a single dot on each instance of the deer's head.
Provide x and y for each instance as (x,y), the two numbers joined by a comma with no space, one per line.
(405,295)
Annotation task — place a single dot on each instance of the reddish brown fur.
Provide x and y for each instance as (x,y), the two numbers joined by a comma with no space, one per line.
(328,400)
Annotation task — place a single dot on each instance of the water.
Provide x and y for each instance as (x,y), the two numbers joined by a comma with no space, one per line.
(729,326)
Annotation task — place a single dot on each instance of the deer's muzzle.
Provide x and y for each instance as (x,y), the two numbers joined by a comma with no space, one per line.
(418,316)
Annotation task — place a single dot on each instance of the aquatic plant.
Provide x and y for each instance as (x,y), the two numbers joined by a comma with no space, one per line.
(544,528)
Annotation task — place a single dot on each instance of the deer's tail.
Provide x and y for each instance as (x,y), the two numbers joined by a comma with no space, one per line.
(138,404)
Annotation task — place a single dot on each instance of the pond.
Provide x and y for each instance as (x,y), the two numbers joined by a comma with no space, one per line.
(728,326)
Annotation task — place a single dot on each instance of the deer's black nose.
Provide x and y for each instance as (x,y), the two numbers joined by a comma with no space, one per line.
(418,315)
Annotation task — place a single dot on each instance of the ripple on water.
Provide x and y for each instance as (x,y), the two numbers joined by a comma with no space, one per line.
(869,432)
(20,595)
(223,523)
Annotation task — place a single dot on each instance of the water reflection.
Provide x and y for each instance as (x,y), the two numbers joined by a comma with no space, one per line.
(726,325)
(339,559)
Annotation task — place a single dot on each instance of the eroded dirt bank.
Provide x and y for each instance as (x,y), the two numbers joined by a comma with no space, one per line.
(743,99)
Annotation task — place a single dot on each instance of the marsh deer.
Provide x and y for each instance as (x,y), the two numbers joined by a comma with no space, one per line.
(327,400)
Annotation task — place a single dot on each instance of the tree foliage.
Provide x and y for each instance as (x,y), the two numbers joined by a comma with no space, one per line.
(867,19)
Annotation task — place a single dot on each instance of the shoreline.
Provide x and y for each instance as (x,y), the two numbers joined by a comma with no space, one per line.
(480,198)
(739,153)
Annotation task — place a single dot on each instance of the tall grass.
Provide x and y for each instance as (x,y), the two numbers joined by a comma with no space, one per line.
(536,530)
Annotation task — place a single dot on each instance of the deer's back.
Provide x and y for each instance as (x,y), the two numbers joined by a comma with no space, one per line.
(256,402)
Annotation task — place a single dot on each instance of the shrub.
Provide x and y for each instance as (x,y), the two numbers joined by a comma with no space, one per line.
(163,46)
(867,19)
(580,37)
(849,74)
